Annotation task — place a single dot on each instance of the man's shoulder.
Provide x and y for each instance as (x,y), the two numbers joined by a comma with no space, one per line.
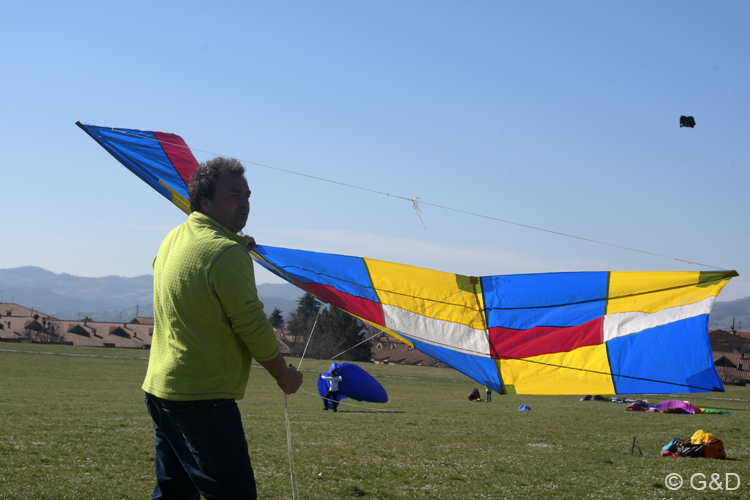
(195,236)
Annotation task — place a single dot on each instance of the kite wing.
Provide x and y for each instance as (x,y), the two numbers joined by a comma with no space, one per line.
(163,161)
(557,333)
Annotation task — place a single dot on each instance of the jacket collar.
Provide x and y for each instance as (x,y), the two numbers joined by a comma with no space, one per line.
(205,220)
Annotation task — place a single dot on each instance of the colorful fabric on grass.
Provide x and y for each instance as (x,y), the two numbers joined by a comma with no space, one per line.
(685,406)
(555,333)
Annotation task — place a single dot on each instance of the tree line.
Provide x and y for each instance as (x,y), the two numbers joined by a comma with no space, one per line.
(335,332)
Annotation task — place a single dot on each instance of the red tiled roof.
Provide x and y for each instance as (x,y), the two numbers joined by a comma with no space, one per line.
(32,324)
(739,373)
(92,334)
(393,351)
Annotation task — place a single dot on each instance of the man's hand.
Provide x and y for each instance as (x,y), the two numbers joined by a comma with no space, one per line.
(250,241)
(291,382)
(288,379)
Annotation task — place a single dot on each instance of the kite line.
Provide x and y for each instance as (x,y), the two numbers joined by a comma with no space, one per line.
(289,446)
(416,201)
(289,450)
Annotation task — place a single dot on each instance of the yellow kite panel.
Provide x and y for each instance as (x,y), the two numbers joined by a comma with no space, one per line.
(650,292)
(437,295)
(178,199)
(560,373)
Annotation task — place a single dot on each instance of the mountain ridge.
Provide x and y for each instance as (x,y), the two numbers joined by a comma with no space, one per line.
(107,298)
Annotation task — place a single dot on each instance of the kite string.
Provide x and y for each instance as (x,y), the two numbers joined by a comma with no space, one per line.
(417,200)
(289,446)
(415,204)
(290,452)
(308,340)
(358,344)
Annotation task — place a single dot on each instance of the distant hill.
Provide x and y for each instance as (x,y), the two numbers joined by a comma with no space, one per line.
(724,312)
(114,298)
(281,295)
(110,298)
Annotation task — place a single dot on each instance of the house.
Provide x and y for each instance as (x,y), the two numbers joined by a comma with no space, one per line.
(19,323)
(729,341)
(731,351)
(389,350)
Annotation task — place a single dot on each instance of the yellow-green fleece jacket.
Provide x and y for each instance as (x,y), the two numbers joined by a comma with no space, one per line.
(208,321)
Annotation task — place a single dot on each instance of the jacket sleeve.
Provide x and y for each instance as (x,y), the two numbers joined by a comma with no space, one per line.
(233,278)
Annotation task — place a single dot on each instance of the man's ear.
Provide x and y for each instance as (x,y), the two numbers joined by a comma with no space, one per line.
(205,204)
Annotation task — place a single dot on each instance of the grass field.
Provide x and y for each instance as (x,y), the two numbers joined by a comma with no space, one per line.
(73,426)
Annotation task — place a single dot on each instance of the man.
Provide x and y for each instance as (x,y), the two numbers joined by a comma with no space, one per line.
(208,325)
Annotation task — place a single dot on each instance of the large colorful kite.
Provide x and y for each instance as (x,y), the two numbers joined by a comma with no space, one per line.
(554,333)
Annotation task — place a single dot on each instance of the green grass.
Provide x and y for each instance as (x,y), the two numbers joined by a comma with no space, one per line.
(73,425)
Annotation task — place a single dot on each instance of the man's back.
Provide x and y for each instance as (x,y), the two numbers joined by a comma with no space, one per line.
(207,315)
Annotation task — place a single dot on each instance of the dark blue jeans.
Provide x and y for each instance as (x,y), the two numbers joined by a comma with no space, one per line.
(200,450)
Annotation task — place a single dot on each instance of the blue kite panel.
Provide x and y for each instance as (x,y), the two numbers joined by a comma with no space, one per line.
(689,366)
(560,317)
(142,154)
(480,369)
(526,301)
(344,273)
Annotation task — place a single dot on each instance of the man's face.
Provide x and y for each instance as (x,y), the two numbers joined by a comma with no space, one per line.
(230,205)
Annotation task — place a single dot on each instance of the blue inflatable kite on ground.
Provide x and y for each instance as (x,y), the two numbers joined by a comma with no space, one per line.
(355,383)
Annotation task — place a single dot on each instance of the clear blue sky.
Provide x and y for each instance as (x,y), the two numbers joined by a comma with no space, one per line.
(558,115)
